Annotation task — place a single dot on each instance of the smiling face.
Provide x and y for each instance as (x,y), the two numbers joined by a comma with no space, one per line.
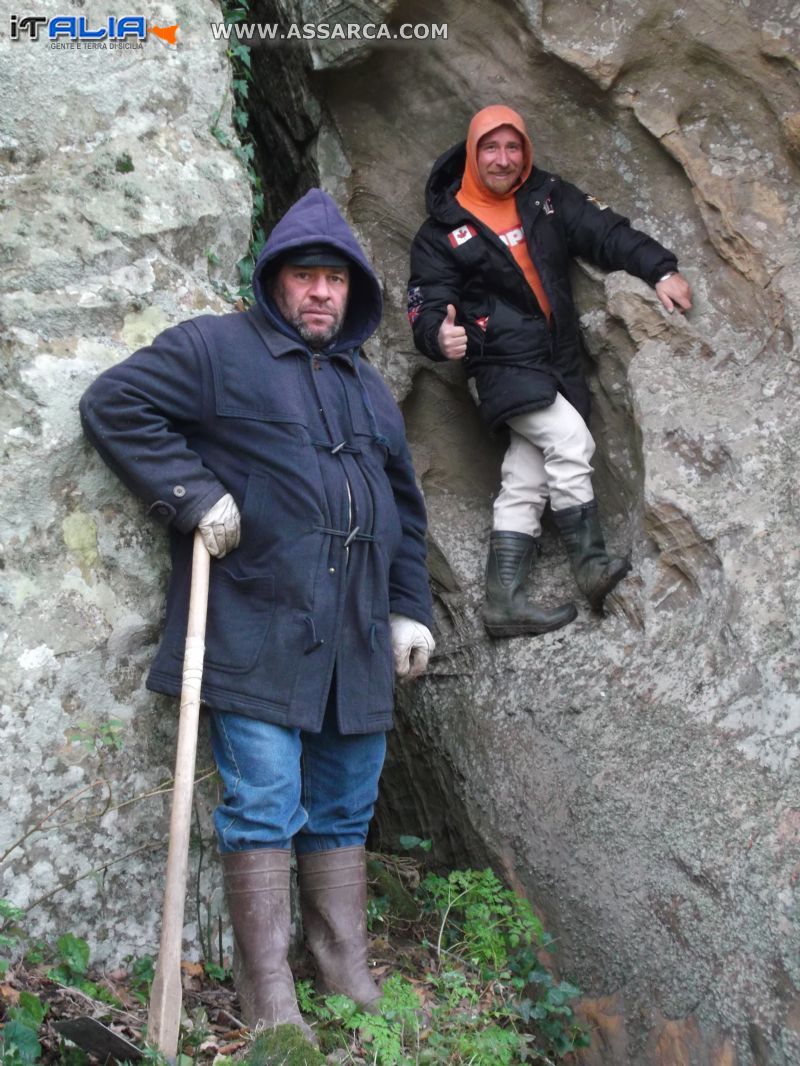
(313,299)
(500,159)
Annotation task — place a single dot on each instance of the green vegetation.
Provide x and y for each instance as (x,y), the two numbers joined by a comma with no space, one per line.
(20,1034)
(284,1045)
(467,987)
(241,83)
(94,736)
(466,984)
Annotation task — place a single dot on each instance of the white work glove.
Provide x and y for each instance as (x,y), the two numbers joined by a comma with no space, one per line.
(220,527)
(412,645)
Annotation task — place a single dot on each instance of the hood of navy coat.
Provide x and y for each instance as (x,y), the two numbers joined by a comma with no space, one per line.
(315,219)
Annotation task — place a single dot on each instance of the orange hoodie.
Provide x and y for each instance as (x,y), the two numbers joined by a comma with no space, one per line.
(500,213)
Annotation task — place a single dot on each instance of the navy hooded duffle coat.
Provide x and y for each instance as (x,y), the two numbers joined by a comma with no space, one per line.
(312,448)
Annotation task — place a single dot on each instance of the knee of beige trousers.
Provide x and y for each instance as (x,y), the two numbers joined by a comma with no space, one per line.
(523,492)
(567,447)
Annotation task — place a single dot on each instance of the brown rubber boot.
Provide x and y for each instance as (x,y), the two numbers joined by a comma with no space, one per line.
(257,893)
(333,901)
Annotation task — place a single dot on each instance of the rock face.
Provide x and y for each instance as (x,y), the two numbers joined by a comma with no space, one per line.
(636,774)
(116,201)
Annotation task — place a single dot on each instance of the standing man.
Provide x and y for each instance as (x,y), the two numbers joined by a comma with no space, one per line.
(268,432)
(490,285)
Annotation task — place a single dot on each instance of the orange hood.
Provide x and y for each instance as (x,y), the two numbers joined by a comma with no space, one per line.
(484,122)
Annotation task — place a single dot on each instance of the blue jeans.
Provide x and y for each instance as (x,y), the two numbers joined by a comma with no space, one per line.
(283,785)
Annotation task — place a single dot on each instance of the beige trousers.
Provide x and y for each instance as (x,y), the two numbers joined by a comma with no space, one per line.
(548,456)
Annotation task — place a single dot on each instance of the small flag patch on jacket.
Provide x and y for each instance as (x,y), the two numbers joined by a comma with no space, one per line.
(414,305)
(515,235)
(597,203)
(461,235)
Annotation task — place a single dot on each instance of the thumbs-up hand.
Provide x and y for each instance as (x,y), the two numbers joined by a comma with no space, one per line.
(452,339)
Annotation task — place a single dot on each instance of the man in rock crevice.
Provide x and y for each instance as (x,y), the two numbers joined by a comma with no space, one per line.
(490,285)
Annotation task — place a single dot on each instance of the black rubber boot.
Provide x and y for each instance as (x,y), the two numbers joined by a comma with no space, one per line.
(507,612)
(595,573)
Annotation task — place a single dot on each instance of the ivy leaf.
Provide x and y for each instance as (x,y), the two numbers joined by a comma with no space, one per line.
(220,135)
(10,911)
(569,991)
(32,1007)
(20,1038)
(74,952)
(408,843)
(245,270)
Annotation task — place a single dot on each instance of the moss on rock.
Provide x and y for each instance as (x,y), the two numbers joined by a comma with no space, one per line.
(386,883)
(284,1046)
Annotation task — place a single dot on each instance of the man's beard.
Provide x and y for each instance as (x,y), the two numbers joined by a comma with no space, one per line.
(314,338)
(505,181)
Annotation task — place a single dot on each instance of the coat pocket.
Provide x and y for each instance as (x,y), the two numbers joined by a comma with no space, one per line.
(513,335)
(244,390)
(240,616)
(475,316)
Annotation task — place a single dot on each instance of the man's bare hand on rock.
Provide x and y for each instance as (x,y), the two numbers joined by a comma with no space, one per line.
(674,291)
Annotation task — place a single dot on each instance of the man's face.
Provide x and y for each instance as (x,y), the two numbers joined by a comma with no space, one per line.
(501,157)
(313,299)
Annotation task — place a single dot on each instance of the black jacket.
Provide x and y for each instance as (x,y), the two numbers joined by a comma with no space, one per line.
(518,361)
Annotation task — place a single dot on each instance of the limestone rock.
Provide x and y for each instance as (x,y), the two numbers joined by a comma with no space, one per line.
(629,771)
(114,196)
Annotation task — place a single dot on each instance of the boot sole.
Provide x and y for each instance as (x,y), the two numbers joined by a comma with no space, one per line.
(507,629)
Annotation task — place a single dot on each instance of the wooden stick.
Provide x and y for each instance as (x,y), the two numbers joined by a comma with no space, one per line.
(163,1023)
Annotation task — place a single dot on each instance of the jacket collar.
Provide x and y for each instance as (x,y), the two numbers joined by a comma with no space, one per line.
(280,344)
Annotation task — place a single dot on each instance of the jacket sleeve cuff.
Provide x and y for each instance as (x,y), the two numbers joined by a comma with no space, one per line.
(411,609)
(186,518)
(666,266)
(428,344)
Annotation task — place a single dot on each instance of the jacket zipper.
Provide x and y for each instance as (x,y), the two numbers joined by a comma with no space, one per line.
(495,240)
